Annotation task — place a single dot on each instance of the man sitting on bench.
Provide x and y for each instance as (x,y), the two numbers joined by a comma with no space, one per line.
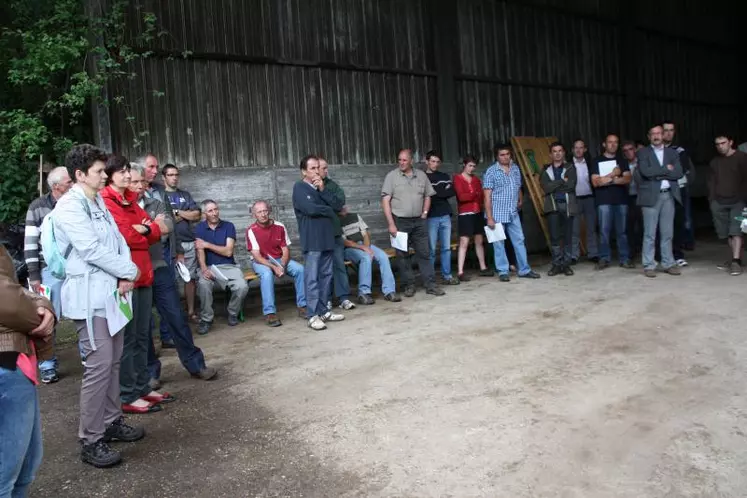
(360,252)
(267,241)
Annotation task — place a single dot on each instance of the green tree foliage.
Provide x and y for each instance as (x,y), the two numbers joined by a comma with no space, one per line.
(55,59)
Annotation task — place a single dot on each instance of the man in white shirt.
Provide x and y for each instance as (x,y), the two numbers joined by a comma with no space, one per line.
(586,207)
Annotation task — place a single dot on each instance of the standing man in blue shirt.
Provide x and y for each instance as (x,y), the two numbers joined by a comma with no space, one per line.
(316,208)
(502,188)
(215,240)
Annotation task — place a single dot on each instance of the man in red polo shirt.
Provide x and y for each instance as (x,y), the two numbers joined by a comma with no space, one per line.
(267,241)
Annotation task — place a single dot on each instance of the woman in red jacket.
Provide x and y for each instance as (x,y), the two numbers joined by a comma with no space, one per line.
(471,220)
(140,232)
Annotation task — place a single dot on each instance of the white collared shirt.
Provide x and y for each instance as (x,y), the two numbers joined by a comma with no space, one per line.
(659,151)
(583,186)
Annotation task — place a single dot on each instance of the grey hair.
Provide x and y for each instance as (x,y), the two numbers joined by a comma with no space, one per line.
(57,175)
(261,201)
(140,161)
(139,167)
(205,203)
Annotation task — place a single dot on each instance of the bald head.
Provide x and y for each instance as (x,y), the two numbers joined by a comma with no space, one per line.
(404,160)
(261,211)
(59,181)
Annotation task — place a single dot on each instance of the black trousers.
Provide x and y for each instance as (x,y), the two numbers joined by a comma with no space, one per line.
(561,235)
(417,238)
(635,227)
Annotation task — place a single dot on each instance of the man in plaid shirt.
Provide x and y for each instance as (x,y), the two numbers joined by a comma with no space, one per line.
(502,188)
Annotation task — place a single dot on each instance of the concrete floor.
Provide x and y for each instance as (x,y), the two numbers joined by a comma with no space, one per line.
(597,385)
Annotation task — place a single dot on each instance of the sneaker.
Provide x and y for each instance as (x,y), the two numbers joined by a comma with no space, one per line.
(681,262)
(347,304)
(233,320)
(650,273)
(594,259)
(332,317)
(409,291)
(204,327)
(302,311)
(463,277)
(628,265)
(435,291)
(532,274)
(49,376)
(568,271)
(316,323)
(673,270)
(273,320)
(735,269)
(207,373)
(451,281)
(393,297)
(601,265)
(725,266)
(487,272)
(168,345)
(503,277)
(120,431)
(154,384)
(99,454)
(554,270)
(366,299)
(574,261)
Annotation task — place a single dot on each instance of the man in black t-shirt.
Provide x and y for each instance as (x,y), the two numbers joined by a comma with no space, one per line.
(610,176)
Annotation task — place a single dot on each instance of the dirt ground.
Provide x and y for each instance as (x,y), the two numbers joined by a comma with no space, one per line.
(597,385)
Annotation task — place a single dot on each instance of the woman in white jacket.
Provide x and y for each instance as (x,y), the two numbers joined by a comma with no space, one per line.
(98,264)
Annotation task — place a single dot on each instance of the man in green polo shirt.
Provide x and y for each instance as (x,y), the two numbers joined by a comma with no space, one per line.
(406,199)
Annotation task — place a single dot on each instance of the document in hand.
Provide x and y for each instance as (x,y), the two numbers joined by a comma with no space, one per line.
(606,167)
(400,241)
(219,275)
(118,311)
(495,234)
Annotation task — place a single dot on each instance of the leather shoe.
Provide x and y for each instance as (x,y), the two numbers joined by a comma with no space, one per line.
(139,410)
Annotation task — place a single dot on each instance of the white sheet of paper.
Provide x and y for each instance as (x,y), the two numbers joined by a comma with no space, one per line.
(118,311)
(218,274)
(606,167)
(400,241)
(495,234)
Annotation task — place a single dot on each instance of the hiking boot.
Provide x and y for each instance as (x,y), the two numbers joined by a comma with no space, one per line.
(49,376)
(435,291)
(154,384)
(735,269)
(532,274)
(451,281)
(409,291)
(601,265)
(568,271)
(554,270)
(120,431)
(463,277)
(574,261)
(393,297)
(629,265)
(233,320)
(366,299)
(207,373)
(332,317)
(273,320)
(673,270)
(316,323)
(503,277)
(204,327)
(650,273)
(99,454)
(487,272)
(346,304)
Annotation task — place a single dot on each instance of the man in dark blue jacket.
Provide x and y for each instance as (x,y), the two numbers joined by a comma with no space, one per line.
(315,209)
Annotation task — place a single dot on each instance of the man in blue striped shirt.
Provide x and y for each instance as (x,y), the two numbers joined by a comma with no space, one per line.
(502,188)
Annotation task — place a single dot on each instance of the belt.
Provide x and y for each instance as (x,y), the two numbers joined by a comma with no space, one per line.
(584,196)
(664,190)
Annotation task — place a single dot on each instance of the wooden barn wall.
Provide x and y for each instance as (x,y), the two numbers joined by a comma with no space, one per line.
(266,81)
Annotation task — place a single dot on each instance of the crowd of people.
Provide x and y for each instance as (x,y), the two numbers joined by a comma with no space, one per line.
(121,232)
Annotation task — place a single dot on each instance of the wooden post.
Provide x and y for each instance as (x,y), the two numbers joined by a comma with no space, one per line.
(446,49)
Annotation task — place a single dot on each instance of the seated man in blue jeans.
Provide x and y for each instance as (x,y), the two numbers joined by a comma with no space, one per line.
(267,241)
(360,251)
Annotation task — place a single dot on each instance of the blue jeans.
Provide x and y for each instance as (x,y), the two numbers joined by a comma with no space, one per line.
(317,275)
(514,231)
(20,433)
(365,269)
(340,272)
(439,232)
(609,215)
(164,328)
(267,285)
(55,286)
(166,299)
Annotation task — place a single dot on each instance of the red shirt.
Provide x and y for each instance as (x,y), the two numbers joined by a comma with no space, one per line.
(268,240)
(469,194)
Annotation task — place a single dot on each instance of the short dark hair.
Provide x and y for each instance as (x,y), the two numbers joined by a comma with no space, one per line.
(501,146)
(654,126)
(167,167)
(115,163)
(432,153)
(668,121)
(639,143)
(627,142)
(81,157)
(611,134)
(557,143)
(727,136)
(575,140)
(305,161)
(469,158)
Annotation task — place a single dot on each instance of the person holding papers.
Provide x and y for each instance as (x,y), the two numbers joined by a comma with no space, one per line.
(215,240)
(502,192)
(406,199)
(610,175)
(558,181)
(97,265)
(140,232)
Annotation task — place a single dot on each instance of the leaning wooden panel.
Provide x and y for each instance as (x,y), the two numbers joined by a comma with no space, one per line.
(531,154)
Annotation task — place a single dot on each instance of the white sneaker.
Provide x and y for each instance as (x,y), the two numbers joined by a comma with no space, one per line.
(316,323)
(347,305)
(681,262)
(332,317)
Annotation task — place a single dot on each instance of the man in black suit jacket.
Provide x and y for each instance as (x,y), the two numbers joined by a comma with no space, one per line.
(657,173)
